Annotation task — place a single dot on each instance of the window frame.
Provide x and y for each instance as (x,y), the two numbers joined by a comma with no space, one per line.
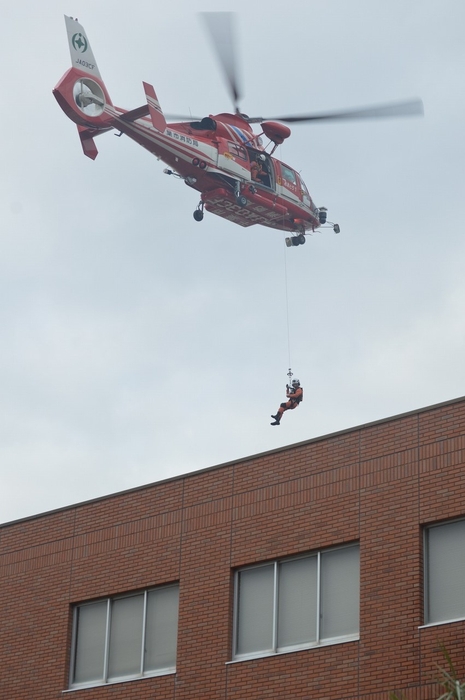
(287,171)
(105,681)
(237,657)
(426,571)
(238,151)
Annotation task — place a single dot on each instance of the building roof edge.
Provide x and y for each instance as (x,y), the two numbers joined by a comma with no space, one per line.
(239,460)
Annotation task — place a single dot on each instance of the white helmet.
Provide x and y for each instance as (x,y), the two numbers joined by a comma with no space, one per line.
(295,382)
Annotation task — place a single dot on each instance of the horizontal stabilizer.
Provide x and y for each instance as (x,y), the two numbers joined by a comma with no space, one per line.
(155,111)
(135,114)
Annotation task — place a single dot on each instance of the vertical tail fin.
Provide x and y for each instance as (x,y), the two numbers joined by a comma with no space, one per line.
(82,56)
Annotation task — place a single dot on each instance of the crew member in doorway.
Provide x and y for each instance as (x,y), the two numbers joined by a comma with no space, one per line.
(295,395)
(257,171)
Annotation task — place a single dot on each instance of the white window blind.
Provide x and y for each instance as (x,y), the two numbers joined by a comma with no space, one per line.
(256,599)
(445,572)
(340,592)
(161,628)
(297,609)
(91,620)
(126,625)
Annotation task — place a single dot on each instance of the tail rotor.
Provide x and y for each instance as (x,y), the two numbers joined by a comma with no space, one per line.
(89,97)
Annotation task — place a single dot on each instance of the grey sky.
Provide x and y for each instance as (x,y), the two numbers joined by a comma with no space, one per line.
(137,344)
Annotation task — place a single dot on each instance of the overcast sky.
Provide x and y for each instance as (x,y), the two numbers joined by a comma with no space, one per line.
(137,344)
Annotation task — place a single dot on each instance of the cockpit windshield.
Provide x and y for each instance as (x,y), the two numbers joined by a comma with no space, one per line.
(288,174)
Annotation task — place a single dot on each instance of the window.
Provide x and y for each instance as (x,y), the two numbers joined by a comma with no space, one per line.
(288,174)
(304,188)
(297,603)
(125,637)
(445,572)
(237,151)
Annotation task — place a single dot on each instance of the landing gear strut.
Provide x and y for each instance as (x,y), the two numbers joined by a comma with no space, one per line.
(240,198)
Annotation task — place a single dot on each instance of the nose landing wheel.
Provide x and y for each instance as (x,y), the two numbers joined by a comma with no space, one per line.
(296,240)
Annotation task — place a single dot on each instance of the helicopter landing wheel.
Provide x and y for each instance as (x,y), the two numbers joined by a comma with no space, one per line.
(241,200)
(295,240)
(198,215)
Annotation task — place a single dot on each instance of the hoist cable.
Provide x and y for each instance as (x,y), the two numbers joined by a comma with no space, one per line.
(289,373)
(287,309)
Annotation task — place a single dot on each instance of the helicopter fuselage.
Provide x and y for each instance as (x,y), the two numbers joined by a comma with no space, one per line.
(221,167)
(215,156)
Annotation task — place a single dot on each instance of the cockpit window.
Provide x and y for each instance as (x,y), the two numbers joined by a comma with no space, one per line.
(238,151)
(304,187)
(288,174)
(206,124)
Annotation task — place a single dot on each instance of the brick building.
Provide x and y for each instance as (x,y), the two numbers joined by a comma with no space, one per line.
(332,568)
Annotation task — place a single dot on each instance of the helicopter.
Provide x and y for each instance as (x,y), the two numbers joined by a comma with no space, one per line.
(218,155)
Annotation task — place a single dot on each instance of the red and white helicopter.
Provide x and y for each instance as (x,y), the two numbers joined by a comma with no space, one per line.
(220,156)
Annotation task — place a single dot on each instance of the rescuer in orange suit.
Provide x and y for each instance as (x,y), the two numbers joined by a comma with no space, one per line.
(257,172)
(295,395)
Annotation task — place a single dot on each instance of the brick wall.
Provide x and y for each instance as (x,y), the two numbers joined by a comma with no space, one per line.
(378,484)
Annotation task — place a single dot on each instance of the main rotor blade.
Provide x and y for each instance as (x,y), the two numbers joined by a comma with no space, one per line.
(393,109)
(220,26)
